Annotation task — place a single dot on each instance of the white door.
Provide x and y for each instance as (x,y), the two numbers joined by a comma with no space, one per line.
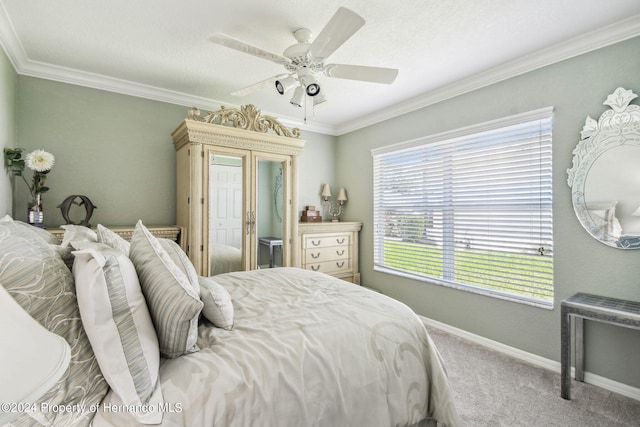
(225,205)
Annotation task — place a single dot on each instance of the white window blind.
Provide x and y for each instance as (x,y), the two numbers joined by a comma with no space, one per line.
(470,209)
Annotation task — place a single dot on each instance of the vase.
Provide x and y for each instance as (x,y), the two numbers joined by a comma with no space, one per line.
(35,214)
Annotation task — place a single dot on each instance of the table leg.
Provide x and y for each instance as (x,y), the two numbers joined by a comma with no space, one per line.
(270,255)
(565,354)
(579,339)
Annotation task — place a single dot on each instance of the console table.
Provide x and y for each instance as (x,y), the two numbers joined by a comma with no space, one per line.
(592,307)
(270,243)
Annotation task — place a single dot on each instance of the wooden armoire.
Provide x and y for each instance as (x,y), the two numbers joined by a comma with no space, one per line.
(236,190)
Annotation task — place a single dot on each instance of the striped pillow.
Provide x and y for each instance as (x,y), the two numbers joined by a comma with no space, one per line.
(117,321)
(183,262)
(37,278)
(174,304)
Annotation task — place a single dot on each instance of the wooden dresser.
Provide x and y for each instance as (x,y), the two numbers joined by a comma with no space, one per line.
(331,248)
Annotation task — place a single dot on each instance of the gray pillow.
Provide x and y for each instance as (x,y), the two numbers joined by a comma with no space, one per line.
(173,302)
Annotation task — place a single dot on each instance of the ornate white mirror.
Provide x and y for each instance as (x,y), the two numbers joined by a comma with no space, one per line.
(605,176)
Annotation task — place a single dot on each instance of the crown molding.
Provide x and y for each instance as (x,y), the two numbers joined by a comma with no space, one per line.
(27,67)
(620,31)
(605,36)
(9,41)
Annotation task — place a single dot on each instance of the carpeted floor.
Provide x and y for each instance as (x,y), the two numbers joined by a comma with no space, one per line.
(496,390)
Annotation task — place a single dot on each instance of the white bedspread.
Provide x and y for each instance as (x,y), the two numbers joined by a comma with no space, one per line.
(224,259)
(306,350)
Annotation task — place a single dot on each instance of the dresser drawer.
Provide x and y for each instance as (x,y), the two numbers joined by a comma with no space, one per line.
(322,241)
(330,267)
(329,253)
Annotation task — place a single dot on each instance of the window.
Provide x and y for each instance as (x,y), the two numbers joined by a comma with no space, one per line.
(470,209)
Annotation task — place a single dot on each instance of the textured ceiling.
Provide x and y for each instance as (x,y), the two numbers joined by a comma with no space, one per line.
(160,50)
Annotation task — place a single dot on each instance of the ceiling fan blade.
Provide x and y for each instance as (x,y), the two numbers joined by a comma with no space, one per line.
(360,72)
(338,30)
(259,86)
(230,42)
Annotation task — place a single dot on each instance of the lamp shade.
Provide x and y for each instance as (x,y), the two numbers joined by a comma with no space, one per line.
(326,191)
(342,195)
(33,359)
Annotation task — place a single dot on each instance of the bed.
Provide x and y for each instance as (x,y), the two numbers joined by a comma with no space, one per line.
(224,259)
(299,348)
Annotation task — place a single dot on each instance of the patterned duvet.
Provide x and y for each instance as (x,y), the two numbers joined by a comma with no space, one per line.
(306,349)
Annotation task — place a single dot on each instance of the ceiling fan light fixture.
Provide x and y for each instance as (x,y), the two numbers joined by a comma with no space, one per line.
(320,98)
(305,59)
(285,84)
(313,89)
(298,97)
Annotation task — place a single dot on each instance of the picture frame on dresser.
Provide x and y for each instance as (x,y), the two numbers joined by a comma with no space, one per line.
(331,248)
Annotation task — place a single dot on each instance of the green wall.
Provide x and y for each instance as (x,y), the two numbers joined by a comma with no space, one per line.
(576,88)
(118,151)
(8,135)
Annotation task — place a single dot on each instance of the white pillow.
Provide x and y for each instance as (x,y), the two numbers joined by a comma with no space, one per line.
(174,304)
(117,321)
(112,239)
(33,358)
(218,308)
(74,233)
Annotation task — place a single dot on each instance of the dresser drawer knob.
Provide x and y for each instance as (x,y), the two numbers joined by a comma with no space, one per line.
(315,267)
(314,243)
(340,264)
(340,241)
(340,253)
(315,256)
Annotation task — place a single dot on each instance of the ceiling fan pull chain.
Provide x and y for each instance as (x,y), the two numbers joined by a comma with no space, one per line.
(305,109)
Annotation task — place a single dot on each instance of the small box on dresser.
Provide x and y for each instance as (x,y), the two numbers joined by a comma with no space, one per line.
(331,248)
(310,214)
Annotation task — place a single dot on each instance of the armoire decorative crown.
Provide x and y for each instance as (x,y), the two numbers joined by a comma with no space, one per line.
(247,117)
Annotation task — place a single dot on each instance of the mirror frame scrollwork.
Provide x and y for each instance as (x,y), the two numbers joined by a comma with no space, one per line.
(616,127)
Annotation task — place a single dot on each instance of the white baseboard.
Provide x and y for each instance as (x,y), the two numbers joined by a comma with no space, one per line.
(535,360)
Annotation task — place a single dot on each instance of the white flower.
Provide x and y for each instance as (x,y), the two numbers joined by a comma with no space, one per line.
(40,160)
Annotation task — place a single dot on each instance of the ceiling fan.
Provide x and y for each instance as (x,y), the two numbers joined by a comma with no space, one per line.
(305,59)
